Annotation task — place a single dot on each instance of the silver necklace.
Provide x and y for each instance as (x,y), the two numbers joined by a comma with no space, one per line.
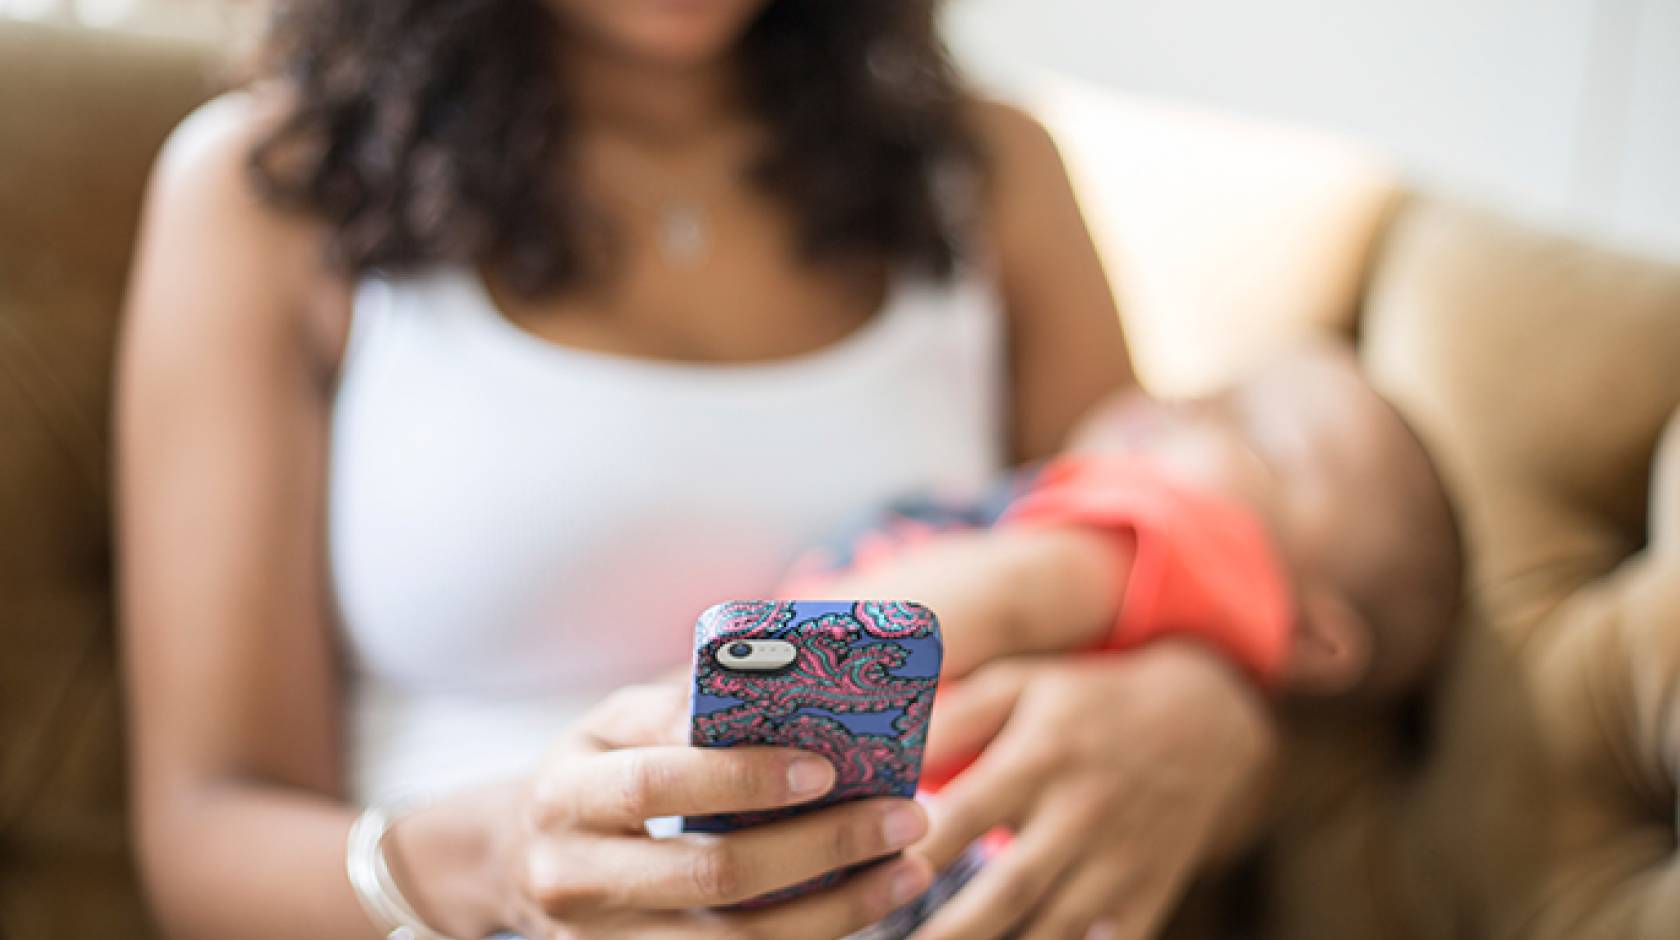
(683,223)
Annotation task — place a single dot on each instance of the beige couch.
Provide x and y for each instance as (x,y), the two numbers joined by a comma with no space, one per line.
(1539,801)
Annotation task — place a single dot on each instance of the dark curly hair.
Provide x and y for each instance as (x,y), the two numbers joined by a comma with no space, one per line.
(436,130)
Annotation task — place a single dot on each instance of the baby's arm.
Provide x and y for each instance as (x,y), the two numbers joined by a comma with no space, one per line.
(1096,552)
(1004,591)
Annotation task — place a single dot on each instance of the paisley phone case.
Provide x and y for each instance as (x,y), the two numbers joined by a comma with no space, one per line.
(859,692)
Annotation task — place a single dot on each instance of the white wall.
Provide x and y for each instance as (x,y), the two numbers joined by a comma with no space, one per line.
(1567,111)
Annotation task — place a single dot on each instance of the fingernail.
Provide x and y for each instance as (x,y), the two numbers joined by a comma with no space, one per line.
(907,884)
(809,776)
(1101,930)
(903,825)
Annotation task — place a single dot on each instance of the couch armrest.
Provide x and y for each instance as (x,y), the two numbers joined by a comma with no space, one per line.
(1608,667)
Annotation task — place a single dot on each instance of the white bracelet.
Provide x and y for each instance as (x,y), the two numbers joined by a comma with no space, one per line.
(370,877)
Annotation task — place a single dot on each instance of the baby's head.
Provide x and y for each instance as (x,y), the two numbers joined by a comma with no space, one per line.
(1352,499)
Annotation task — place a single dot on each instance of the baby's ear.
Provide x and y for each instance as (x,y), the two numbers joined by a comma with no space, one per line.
(1330,653)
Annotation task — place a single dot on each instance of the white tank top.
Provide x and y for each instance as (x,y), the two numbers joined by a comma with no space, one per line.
(517,528)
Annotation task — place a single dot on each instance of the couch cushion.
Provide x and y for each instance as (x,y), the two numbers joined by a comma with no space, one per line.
(1224,236)
(81,115)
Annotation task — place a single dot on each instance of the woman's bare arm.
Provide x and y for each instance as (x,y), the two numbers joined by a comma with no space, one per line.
(225,376)
(1066,346)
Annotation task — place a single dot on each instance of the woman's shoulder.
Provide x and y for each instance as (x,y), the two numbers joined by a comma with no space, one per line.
(226,125)
(1017,150)
(1007,130)
(208,218)
(1026,193)
(205,164)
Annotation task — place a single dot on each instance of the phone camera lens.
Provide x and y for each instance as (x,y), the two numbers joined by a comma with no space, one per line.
(740,650)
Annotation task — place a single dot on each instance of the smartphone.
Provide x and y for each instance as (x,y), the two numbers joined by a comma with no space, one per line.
(852,681)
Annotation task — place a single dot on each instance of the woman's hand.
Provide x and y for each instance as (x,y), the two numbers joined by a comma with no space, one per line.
(568,856)
(1117,773)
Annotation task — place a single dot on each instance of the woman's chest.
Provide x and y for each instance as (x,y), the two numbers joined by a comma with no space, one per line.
(746,296)
(515,516)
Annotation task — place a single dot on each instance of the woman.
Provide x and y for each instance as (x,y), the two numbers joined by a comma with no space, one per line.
(474,350)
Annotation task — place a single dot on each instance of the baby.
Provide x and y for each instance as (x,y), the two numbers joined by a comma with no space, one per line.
(1344,587)
(1293,521)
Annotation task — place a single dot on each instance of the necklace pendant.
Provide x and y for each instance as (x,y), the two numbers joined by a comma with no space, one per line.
(682,232)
